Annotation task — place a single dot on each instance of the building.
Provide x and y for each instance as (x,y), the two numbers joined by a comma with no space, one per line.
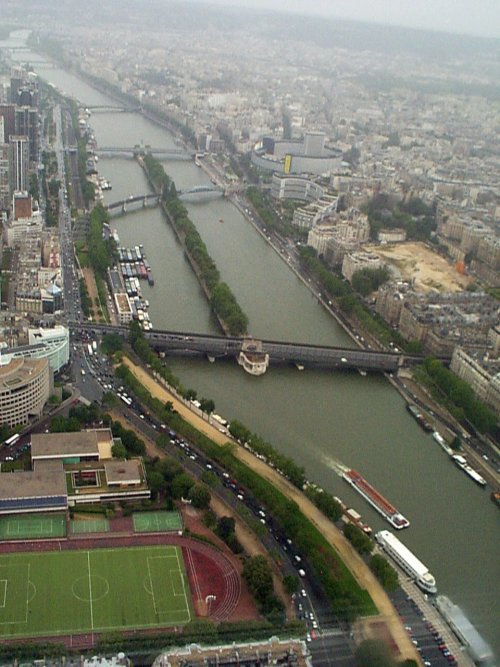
(286,652)
(123,307)
(443,321)
(481,373)
(312,214)
(25,386)
(51,344)
(390,301)
(7,112)
(355,261)
(392,235)
(19,163)
(297,188)
(308,155)
(27,124)
(73,468)
(319,237)
(4,174)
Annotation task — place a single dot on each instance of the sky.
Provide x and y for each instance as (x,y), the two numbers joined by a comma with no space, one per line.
(472,17)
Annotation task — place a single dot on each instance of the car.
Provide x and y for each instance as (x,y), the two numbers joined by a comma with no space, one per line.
(308,637)
(303,593)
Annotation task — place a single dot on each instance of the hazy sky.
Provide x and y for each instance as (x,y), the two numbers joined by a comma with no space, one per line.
(474,17)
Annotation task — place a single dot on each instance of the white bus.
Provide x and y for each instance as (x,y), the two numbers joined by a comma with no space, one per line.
(89,348)
(12,440)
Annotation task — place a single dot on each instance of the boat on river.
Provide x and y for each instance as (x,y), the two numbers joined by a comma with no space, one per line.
(376,499)
(473,474)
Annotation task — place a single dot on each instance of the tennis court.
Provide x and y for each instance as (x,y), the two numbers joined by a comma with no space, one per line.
(89,526)
(157,522)
(74,592)
(32,526)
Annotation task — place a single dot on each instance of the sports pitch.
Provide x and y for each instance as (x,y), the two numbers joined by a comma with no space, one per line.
(31,526)
(74,592)
(157,522)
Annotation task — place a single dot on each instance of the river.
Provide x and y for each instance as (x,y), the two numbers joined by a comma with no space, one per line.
(321,419)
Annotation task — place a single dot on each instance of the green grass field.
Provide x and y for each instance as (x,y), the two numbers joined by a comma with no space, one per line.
(80,526)
(72,592)
(157,522)
(32,526)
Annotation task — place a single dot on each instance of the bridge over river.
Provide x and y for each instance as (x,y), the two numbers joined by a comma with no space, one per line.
(279,352)
(134,151)
(149,200)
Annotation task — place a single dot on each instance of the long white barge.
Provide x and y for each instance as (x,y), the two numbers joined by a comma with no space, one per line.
(407,561)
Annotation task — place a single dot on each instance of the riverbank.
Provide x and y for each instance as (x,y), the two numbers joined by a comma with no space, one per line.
(358,568)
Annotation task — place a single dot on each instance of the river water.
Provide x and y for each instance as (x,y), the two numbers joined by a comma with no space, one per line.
(321,419)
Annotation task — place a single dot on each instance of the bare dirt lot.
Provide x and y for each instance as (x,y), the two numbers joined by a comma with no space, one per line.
(418,263)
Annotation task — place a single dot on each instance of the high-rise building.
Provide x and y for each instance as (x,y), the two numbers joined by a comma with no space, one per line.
(4,173)
(23,87)
(19,163)
(26,121)
(7,112)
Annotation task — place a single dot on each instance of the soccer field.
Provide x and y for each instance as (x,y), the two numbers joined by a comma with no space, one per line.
(72,592)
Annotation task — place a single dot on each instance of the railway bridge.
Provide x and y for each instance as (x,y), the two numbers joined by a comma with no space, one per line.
(302,355)
(134,151)
(132,203)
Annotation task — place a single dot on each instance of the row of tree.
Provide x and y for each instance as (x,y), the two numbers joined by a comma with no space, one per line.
(222,299)
(256,444)
(461,395)
(102,250)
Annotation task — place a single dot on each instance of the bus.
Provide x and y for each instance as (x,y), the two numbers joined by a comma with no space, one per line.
(12,440)
(89,348)
(125,399)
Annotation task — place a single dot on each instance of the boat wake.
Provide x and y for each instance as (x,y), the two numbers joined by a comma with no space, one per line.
(335,465)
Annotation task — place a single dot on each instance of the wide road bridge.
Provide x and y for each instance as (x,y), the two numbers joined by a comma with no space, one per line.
(280,352)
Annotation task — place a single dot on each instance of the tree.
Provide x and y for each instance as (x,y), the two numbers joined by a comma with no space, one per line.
(207,405)
(291,583)
(257,574)
(112,343)
(118,450)
(359,540)
(199,496)
(225,527)
(374,653)
(239,431)
(109,399)
(181,485)
(384,572)
(156,482)
(169,469)
(190,394)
